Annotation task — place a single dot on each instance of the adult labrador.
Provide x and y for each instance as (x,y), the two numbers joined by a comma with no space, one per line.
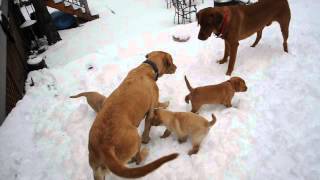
(113,137)
(234,23)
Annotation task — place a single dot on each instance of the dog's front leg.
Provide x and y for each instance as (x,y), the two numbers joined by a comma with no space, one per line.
(147,127)
(233,56)
(226,53)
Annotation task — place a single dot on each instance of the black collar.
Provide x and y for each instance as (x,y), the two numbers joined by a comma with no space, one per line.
(154,67)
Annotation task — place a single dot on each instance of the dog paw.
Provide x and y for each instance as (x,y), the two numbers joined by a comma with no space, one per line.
(222,61)
(191,152)
(164,136)
(182,140)
(164,104)
(143,154)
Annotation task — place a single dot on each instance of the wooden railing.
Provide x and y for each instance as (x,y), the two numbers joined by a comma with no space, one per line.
(79,8)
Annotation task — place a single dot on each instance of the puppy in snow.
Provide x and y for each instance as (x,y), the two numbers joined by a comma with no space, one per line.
(184,125)
(94,99)
(214,94)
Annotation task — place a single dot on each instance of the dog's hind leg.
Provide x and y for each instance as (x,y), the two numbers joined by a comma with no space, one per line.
(196,141)
(284,22)
(259,35)
(166,134)
(194,150)
(140,156)
(285,33)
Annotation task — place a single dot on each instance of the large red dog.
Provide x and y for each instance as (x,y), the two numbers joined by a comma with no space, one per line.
(234,23)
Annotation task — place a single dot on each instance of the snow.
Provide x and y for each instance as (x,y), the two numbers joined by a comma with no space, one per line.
(271,132)
(36,60)
(27,23)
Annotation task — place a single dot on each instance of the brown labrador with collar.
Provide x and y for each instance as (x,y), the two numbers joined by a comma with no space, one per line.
(214,94)
(113,138)
(234,23)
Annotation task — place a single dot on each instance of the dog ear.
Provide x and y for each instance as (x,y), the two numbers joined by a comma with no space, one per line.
(166,62)
(237,84)
(198,17)
(217,19)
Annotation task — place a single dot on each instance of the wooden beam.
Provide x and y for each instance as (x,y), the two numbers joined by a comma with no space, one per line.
(3,64)
(68,9)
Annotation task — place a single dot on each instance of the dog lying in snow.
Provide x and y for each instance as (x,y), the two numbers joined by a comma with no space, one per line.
(184,125)
(94,99)
(113,138)
(214,94)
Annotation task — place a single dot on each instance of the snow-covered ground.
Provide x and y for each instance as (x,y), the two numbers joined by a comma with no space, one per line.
(271,132)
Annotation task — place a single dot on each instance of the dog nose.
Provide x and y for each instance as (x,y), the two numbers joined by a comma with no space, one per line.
(203,37)
(200,37)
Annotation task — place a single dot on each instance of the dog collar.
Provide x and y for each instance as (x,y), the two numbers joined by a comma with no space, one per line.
(224,24)
(154,67)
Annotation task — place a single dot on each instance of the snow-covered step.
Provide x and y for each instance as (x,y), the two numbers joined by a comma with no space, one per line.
(75,6)
(66,3)
(58,1)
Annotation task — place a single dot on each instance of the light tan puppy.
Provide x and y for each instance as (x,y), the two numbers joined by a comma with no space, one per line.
(214,94)
(113,138)
(184,125)
(94,99)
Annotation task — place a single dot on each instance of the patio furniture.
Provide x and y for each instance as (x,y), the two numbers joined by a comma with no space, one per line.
(183,10)
(218,3)
(169,3)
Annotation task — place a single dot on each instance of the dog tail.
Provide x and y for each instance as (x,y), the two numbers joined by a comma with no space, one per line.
(213,121)
(188,84)
(79,95)
(119,169)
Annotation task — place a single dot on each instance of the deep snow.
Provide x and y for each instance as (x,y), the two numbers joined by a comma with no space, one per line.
(271,132)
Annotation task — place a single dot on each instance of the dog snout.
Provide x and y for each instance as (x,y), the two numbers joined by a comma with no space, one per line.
(174,68)
(201,37)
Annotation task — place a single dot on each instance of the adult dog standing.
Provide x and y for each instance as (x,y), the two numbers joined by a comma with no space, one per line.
(113,137)
(234,23)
